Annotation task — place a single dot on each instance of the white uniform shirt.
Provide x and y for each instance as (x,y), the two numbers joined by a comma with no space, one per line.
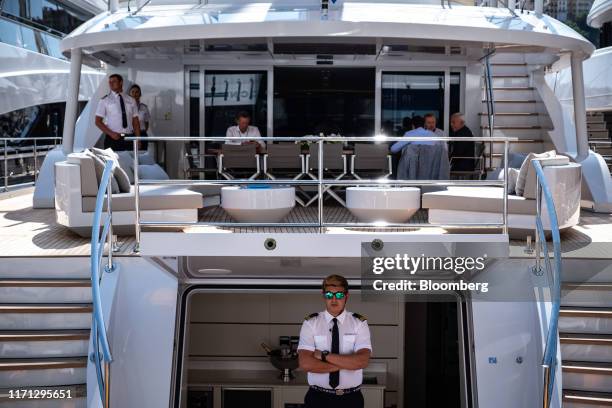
(143,116)
(252,131)
(109,109)
(316,334)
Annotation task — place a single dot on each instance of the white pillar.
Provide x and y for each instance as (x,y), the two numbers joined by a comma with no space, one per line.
(72,101)
(113,5)
(582,143)
(511,4)
(538,6)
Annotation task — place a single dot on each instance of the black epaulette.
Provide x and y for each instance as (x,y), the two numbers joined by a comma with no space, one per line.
(310,316)
(105,96)
(360,317)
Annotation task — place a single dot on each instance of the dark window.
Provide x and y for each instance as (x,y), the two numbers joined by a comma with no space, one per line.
(36,121)
(45,14)
(455,93)
(408,94)
(605,35)
(229,92)
(309,101)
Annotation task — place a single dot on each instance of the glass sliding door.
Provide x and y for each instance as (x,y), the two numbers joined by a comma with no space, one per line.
(227,93)
(408,94)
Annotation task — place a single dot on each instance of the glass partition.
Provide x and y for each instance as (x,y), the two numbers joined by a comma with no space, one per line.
(408,94)
(227,93)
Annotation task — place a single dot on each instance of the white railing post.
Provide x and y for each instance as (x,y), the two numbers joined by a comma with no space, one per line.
(538,267)
(582,142)
(136,198)
(72,101)
(505,215)
(5,166)
(320,175)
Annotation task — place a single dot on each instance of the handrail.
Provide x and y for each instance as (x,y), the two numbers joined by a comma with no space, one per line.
(549,360)
(17,154)
(98,327)
(490,102)
(320,182)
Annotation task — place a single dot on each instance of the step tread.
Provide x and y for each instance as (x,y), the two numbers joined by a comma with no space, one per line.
(42,363)
(587,286)
(513,88)
(571,311)
(588,397)
(509,76)
(45,282)
(511,114)
(76,391)
(584,367)
(44,335)
(512,101)
(513,127)
(46,308)
(586,338)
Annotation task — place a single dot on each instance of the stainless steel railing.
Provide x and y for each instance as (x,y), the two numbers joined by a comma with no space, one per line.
(34,151)
(98,240)
(320,183)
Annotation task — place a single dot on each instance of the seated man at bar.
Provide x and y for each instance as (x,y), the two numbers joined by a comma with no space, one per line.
(418,130)
(244,129)
(460,149)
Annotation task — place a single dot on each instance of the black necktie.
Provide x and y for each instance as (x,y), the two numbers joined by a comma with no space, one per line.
(123,115)
(334,378)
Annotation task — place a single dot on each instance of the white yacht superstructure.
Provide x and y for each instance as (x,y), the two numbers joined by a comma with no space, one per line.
(183,267)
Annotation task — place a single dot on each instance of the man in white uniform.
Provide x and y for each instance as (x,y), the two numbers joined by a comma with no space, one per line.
(243,129)
(117,116)
(334,349)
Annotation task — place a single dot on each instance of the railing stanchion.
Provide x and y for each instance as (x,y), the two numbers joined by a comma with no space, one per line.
(505,213)
(320,174)
(107,384)
(35,161)
(136,198)
(538,192)
(109,194)
(5,167)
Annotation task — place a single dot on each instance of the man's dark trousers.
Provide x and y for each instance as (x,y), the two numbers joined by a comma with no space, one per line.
(319,399)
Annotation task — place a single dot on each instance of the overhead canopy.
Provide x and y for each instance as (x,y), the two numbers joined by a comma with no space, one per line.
(156,24)
(601,12)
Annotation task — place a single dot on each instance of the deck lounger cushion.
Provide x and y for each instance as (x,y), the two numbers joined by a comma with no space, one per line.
(151,198)
(126,162)
(530,184)
(481,199)
(526,166)
(99,166)
(89,181)
(119,174)
(512,178)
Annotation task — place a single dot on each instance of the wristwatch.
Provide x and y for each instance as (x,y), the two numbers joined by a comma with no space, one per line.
(324,356)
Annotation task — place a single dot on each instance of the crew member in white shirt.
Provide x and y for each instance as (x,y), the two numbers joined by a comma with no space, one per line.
(144,116)
(243,129)
(334,349)
(117,116)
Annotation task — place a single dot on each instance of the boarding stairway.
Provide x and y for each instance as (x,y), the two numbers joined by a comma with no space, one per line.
(518,109)
(585,333)
(599,125)
(45,319)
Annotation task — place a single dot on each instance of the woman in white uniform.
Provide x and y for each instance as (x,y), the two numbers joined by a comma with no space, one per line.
(143,113)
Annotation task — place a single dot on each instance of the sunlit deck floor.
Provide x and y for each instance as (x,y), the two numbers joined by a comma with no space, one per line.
(25,231)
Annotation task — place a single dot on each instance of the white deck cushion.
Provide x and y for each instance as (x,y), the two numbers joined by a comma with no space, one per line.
(481,199)
(99,166)
(525,167)
(151,198)
(530,184)
(89,181)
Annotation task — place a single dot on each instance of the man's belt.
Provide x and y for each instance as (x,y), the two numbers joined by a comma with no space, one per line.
(336,391)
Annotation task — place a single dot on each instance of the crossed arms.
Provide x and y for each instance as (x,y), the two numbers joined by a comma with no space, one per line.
(310,361)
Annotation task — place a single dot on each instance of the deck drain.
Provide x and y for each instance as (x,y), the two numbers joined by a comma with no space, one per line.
(377,244)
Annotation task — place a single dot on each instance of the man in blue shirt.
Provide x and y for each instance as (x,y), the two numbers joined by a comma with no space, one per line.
(417,131)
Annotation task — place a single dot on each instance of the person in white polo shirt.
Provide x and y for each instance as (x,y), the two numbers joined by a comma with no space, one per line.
(117,116)
(334,349)
(244,129)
